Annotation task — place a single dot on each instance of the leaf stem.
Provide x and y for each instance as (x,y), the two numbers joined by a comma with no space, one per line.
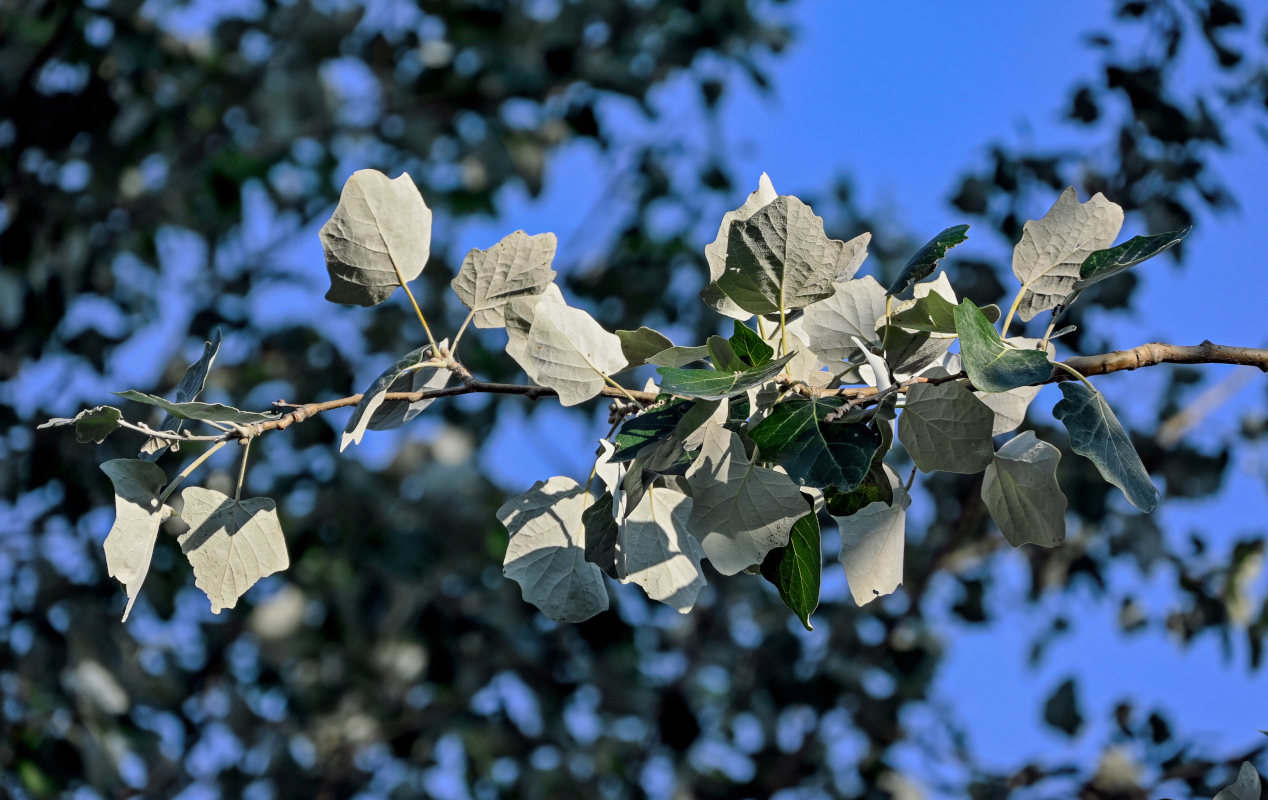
(1012,310)
(401,280)
(193,465)
(1075,373)
(783,332)
(242,470)
(761,329)
(622,390)
(453,348)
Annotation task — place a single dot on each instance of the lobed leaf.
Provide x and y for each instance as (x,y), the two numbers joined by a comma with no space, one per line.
(1109,262)
(1096,434)
(517,266)
(832,324)
(991,364)
(547,552)
(715,253)
(1048,258)
(740,511)
(640,345)
(656,552)
(231,544)
(926,259)
(129,545)
(377,239)
(749,347)
(780,258)
(708,384)
(648,428)
(1021,492)
(816,453)
(944,427)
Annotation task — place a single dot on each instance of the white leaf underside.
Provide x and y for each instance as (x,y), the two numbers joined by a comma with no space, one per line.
(517,266)
(715,252)
(656,551)
(1021,492)
(872,545)
(230,544)
(570,352)
(138,513)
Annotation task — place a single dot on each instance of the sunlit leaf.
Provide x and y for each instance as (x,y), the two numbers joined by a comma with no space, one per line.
(231,544)
(715,253)
(1021,492)
(1109,262)
(740,511)
(378,238)
(1096,434)
(92,425)
(708,384)
(796,569)
(569,352)
(209,412)
(371,412)
(832,324)
(190,386)
(1246,787)
(748,346)
(138,513)
(640,345)
(547,552)
(656,551)
(517,266)
(1009,407)
(1050,254)
(872,545)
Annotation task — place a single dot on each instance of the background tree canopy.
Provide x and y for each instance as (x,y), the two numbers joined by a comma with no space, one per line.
(158,158)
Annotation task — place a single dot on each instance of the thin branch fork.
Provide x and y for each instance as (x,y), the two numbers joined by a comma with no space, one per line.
(1145,355)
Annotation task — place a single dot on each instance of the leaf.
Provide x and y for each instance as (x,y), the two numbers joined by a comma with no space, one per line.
(1096,434)
(945,428)
(655,550)
(723,357)
(1109,262)
(1246,787)
(934,313)
(547,552)
(1009,407)
(740,511)
(832,324)
(715,253)
(796,569)
(679,356)
(992,365)
(207,412)
(872,543)
(377,239)
(519,314)
(647,429)
(517,266)
(1048,258)
(599,523)
(571,353)
(1021,492)
(926,259)
(816,453)
(749,347)
(190,386)
(92,425)
(138,513)
(875,488)
(640,345)
(708,384)
(780,258)
(231,544)
(696,423)
(401,376)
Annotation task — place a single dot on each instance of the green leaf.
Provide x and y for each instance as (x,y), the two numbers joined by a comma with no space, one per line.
(207,412)
(780,258)
(92,425)
(640,345)
(740,511)
(138,513)
(991,364)
(796,569)
(749,347)
(934,313)
(372,411)
(648,428)
(190,386)
(816,453)
(547,552)
(872,543)
(1109,262)
(1096,434)
(723,357)
(656,551)
(599,523)
(231,544)
(926,258)
(710,384)
(1048,258)
(378,237)
(517,266)
(679,356)
(715,253)
(875,488)
(1021,492)
(1246,787)
(945,428)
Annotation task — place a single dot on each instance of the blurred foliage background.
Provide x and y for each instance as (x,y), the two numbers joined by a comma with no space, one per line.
(154,158)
